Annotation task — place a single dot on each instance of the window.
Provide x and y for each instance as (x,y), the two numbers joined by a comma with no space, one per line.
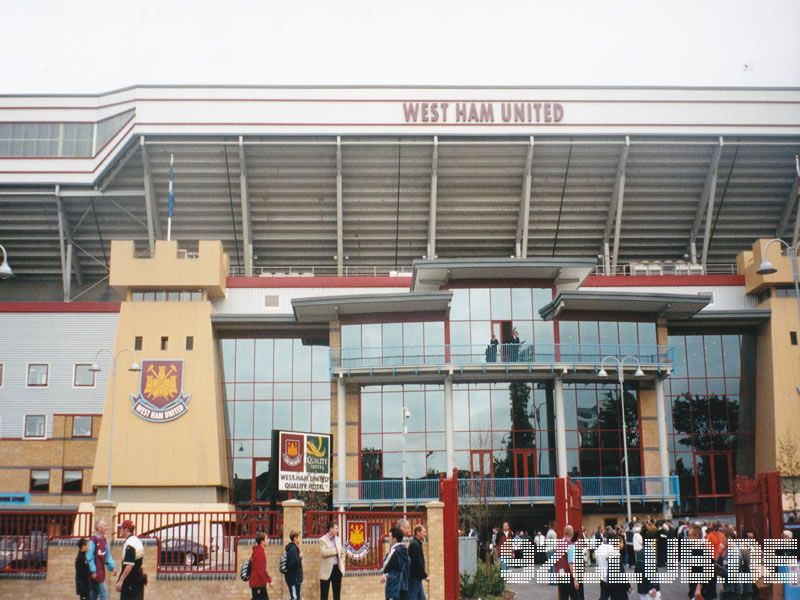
(83,376)
(272,301)
(73,481)
(82,426)
(40,480)
(190,342)
(1,374)
(793,338)
(34,426)
(137,342)
(37,375)
(164,342)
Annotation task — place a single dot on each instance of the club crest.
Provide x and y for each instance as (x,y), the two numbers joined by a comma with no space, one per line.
(292,452)
(161,397)
(357,545)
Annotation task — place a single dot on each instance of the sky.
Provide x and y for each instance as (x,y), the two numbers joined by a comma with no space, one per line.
(89,46)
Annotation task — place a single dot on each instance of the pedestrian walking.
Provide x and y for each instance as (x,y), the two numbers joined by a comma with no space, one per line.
(396,568)
(565,564)
(294,566)
(417,572)
(100,561)
(700,591)
(647,589)
(131,580)
(83,577)
(259,577)
(331,563)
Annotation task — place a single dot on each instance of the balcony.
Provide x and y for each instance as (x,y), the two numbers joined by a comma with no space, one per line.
(534,490)
(520,360)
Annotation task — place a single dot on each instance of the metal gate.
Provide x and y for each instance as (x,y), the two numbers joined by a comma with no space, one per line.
(758,504)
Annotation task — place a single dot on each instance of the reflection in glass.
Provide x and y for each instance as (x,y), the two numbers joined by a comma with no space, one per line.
(479,305)
(501,304)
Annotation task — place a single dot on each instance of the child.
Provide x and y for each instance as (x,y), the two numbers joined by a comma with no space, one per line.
(83,580)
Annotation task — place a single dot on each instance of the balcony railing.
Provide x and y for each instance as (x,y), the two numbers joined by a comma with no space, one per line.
(499,357)
(504,490)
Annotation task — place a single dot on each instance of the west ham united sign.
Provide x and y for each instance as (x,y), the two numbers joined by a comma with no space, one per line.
(161,397)
(305,462)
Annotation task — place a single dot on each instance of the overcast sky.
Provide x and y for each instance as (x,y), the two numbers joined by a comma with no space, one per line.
(89,46)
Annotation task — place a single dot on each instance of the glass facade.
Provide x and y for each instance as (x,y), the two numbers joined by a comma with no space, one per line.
(711,421)
(269,384)
(500,430)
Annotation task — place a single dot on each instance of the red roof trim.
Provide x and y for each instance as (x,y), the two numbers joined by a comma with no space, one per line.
(661,280)
(59,307)
(318,282)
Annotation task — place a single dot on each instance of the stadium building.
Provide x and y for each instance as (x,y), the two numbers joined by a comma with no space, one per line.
(339,261)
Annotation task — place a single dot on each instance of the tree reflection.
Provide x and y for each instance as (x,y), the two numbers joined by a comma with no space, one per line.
(707,422)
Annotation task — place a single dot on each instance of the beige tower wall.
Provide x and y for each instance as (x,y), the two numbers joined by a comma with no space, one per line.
(182,460)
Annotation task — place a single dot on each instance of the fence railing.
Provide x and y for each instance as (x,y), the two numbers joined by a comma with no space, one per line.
(202,542)
(495,355)
(323,271)
(498,489)
(24,537)
(364,535)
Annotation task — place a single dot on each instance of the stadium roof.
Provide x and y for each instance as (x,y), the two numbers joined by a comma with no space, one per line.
(343,179)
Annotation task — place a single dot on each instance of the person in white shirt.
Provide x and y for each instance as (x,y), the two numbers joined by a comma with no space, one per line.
(638,542)
(609,547)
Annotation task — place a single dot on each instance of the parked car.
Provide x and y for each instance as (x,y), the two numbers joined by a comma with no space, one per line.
(23,553)
(182,552)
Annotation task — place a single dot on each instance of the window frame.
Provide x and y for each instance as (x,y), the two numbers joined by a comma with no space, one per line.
(30,481)
(91,426)
(28,375)
(2,374)
(25,435)
(64,478)
(75,383)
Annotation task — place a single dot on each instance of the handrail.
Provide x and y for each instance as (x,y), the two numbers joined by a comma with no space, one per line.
(322,271)
(501,354)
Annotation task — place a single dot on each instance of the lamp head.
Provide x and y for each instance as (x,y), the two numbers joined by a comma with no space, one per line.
(766,268)
(95,368)
(639,372)
(135,367)
(5,270)
(602,372)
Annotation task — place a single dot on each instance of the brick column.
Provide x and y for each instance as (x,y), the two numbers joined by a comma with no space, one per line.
(107,511)
(292,518)
(434,560)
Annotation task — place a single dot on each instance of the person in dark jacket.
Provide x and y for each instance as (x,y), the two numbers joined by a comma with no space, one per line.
(417,573)
(83,577)
(646,588)
(396,568)
(259,578)
(294,566)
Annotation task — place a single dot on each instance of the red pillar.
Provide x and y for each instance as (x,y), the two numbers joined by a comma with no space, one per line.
(448,494)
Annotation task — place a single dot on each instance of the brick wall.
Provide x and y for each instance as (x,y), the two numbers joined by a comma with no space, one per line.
(60,579)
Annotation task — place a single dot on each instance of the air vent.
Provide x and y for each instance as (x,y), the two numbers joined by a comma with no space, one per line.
(271,301)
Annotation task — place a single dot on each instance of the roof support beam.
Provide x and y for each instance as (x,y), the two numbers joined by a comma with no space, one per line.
(615,211)
(247,231)
(791,202)
(434,195)
(107,179)
(339,210)
(705,204)
(712,194)
(523,221)
(69,262)
(153,227)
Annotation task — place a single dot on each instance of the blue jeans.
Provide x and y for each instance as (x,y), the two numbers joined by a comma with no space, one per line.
(294,591)
(415,590)
(99,591)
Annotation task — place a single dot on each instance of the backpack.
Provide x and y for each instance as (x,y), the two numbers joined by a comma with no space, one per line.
(282,564)
(244,572)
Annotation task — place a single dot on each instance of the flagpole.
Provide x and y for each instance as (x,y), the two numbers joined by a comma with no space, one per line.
(171,197)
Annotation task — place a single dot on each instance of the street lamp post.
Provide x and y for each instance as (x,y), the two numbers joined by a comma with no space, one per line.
(620,364)
(95,368)
(767,268)
(405,416)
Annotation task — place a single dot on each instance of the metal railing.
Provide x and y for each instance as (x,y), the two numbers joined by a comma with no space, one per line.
(656,268)
(498,489)
(24,537)
(489,355)
(202,542)
(322,271)
(364,535)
